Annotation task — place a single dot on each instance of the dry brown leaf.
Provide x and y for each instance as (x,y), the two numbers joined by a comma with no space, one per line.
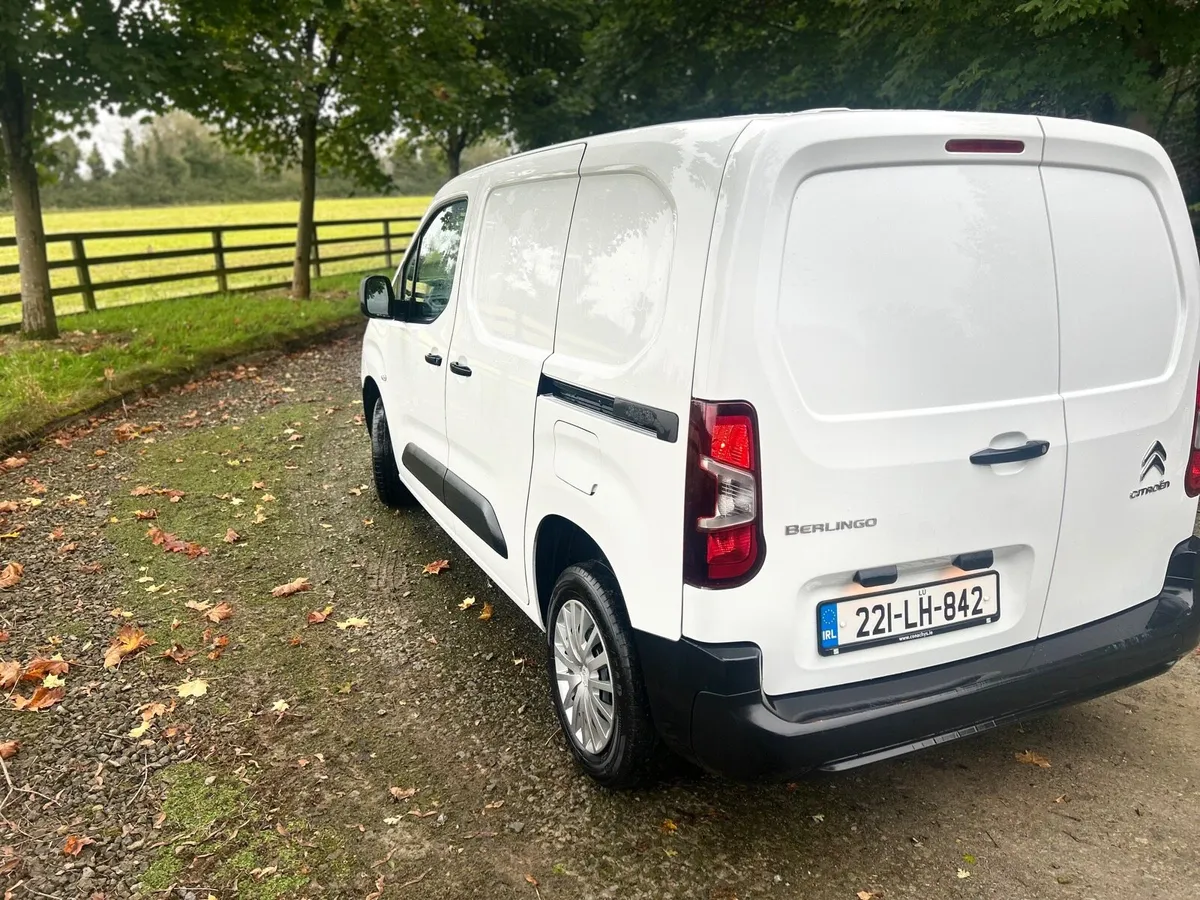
(399,793)
(178,653)
(1031,758)
(317,616)
(143,514)
(40,667)
(531,880)
(128,640)
(486,614)
(92,568)
(219,613)
(9,506)
(292,587)
(142,490)
(8,749)
(13,463)
(668,826)
(869,895)
(467,603)
(34,486)
(436,566)
(10,673)
(258,485)
(196,687)
(198,605)
(218,646)
(68,548)
(11,574)
(232,537)
(42,698)
(173,544)
(75,844)
(155,708)
(352,622)
(3,637)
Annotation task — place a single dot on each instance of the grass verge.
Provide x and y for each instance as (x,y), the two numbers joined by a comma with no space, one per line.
(105,354)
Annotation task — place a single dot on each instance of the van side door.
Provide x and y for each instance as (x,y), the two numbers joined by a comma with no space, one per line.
(502,335)
(418,341)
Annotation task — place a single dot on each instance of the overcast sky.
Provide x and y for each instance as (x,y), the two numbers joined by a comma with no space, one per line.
(109,134)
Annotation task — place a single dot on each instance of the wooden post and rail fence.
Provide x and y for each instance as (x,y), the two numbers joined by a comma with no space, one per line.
(382,239)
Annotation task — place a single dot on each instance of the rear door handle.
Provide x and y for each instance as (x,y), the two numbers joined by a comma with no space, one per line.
(460,369)
(1030,450)
(434,359)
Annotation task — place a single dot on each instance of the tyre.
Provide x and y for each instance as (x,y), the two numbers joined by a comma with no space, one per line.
(595,679)
(388,486)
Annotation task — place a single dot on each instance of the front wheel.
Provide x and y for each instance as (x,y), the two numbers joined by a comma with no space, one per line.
(388,486)
(595,680)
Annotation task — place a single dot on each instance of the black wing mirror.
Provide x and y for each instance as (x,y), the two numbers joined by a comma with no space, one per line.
(376,298)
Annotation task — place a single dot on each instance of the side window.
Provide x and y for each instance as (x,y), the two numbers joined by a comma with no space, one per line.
(428,277)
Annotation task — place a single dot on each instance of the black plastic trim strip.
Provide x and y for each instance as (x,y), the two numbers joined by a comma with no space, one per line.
(660,422)
(979,559)
(468,505)
(877,577)
(425,469)
(474,511)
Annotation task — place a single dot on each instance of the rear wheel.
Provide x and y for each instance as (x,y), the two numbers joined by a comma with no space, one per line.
(388,486)
(595,680)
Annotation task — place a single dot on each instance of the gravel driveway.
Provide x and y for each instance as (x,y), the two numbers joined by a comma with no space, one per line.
(405,747)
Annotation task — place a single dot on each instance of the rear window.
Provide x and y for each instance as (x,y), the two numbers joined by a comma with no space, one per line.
(914,287)
(1118,283)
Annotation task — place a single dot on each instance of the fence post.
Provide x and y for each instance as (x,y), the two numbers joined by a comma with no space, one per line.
(83,275)
(316,250)
(219,259)
(387,242)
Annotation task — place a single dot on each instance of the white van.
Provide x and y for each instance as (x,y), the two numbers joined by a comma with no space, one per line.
(808,439)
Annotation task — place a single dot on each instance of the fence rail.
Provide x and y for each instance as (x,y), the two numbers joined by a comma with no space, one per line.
(384,239)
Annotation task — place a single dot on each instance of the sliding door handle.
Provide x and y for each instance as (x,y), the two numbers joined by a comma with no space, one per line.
(1030,450)
(434,359)
(460,369)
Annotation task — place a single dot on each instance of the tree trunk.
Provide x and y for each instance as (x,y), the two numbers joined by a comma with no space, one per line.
(301,283)
(455,144)
(37,306)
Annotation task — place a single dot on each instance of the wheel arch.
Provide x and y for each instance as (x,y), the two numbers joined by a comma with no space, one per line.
(370,393)
(560,543)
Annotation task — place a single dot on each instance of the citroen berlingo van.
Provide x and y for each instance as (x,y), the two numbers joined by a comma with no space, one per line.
(812,439)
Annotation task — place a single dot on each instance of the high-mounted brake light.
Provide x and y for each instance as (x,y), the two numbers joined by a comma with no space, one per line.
(984,145)
(722,541)
(1191,479)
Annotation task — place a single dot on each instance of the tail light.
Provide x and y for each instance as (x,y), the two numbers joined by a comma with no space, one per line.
(723,541)
(1191,481)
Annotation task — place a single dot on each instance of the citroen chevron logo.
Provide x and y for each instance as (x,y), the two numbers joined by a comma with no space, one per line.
(1156,458)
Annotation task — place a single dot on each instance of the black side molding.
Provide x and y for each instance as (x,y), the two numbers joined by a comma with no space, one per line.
(877,577)
(662,424)
(470,506)
(979,559)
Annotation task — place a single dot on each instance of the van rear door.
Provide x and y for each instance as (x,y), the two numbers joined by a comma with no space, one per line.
(888,306)
(1127,296)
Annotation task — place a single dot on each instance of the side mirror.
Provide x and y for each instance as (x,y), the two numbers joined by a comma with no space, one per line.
(376,297)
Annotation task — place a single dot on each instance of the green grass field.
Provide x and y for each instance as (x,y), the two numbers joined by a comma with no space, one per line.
(175,216)
(103,354)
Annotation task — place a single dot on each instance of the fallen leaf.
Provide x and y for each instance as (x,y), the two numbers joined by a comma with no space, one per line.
(53,681)
(295,641)
(1029,757)
(42,698)
(155,708)
(142,490)
(531,880)
(9,506)
(128,640)
(219,613)
(75,844)
(868,895)
(198,605)
(195,688)
(296,437)
(467,603)
(143,514)
(267,498)
(56,534)
(139,731)
(218,646)
(668,826)
(40,667)
(280,706)
(91,568)
(963,873)
(178,653)
(399,793)
(317,616)
(258,485)
(292,587)
(3,637)
(495,804)
(436,566)
(119,613)
(10,673)
(352,622)
(8,749)
(13,463)
(232,537)
(486,613)
(11,574)
(68,548)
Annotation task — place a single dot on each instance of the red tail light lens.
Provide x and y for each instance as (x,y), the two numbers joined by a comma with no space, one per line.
(1191,480)
(723,542)
(984,145)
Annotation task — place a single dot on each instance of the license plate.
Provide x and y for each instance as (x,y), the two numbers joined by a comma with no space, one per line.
(907,614)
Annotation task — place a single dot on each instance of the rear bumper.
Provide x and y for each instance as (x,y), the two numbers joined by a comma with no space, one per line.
(708,704)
